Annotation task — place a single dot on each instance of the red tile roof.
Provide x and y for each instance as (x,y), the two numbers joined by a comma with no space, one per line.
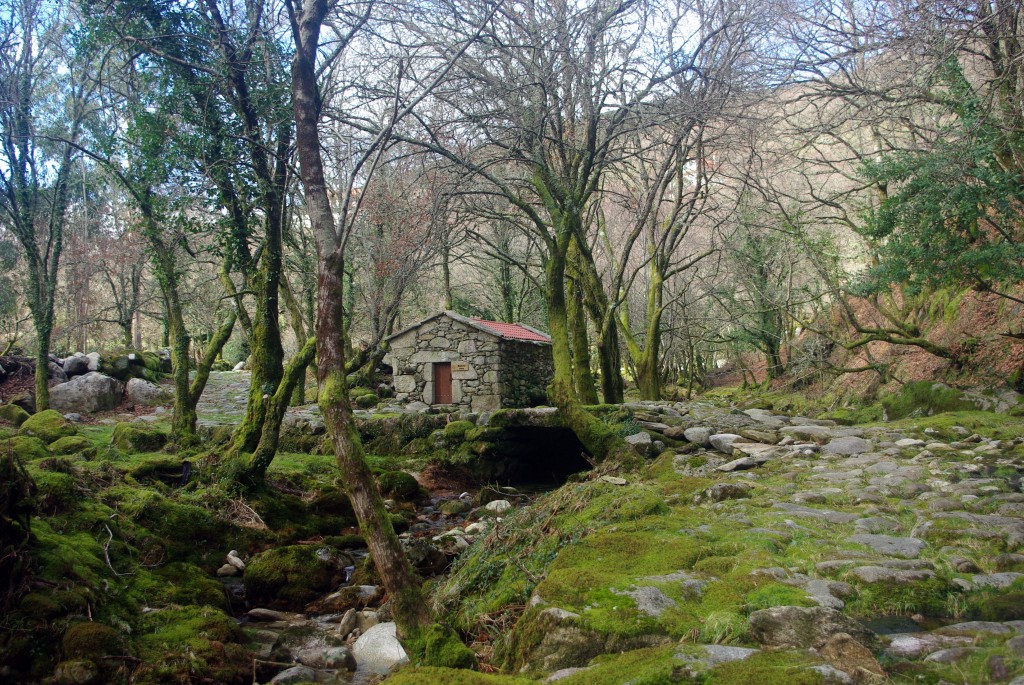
(512,331)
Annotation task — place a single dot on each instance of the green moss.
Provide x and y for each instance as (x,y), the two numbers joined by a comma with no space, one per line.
(367,401)
(768,668)
(925,398)
(181,584)
(189,533)
(292,576)
(1002,607)
(131,437)
(12,413)
(440,646)
(391,435)
(482,434)
(40,606)
(927,597)
(48,426)
(655,666)
(55,492)
(989,424)
(715,565)
(73,444)
(456,431)
(152,469)
(698,460)
(400,485)
(26,448)
(449,676)
(455,507)
(192,644)
(91,641)
(777,595)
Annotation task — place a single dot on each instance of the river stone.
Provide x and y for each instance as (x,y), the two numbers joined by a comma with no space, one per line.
(723,654)
(94,361)
(142,392)
(801,628)
(295,674)
(846,446)
(563,673)
(738,465)
(905,548)
(649,600)
(821,592)
(876,524)
(973,627)
(851,657)
(723,491)
(334,658)
(699,435)
(878,574)
(640,442)
(951,655)
(998,581)
(915,645)
(830,675)
(498,506)
(807,432)
(89,393)
(910,442)
(810,512)
(378,649)
(723,442)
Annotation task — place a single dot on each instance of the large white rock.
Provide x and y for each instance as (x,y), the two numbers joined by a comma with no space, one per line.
(378,649)
(723,442)
(141,391)
(92,392)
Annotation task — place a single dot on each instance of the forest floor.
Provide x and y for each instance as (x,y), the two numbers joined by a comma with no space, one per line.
(752,546)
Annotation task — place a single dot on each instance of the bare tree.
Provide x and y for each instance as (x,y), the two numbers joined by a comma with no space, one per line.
(39,136)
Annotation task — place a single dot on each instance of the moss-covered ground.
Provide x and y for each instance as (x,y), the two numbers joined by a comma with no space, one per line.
(641,574)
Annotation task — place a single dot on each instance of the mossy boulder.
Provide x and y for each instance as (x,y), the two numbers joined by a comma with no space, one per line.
(131,437)
(291,577)
(55,492)
(91,641)
(1003,607)
(192,644)
(367,401)
(73,444)
(189,533)
(400,485)
(12,413)
(134,364)
(76,672)
(925,398)
(181,584)
(48,426)
(455,507)
(440,646)
(26,448)
(456,431)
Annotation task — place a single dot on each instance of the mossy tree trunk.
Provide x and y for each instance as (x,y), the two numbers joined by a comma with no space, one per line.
(583,377)
(646,355)
(277,404)
(600,441)
(409,608)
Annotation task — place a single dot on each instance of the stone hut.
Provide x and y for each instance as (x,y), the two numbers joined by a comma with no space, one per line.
(475,364)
